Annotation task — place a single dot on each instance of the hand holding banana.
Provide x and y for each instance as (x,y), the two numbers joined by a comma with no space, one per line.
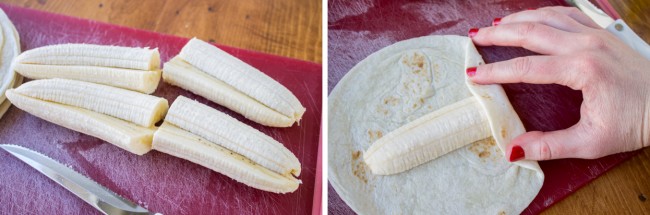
(613,78)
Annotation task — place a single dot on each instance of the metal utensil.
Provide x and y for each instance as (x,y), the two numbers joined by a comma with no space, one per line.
(617,27)
(88,190)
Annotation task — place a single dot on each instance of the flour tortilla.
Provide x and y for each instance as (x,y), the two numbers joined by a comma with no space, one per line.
(381,93)
(9,49)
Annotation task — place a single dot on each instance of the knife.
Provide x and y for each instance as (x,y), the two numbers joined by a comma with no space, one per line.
(617,27)
(88,190)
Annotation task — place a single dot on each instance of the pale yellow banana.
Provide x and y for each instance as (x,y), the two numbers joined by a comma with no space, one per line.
(125,67)
(142,109)
(428,137)
(121,117)
(259,98)
(180,73)
(180,143)
(126,135)
(221,129)
(6,104)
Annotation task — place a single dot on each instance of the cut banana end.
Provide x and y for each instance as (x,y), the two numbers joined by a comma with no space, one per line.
(180,143)
(125,67)
(428,137)
(141,109)
(6,104)
(126,135)
(219,128)
(257,97)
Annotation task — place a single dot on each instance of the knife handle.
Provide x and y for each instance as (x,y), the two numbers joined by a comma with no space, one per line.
(625,34)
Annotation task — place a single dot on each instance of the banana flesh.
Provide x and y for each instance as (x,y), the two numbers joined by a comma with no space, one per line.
(128,136)
(205,136)
(219,128)
(121,117)
(141,109)
(180,73)
(428,137)
(125,67)
(258,98)
(6,104)
(175,141)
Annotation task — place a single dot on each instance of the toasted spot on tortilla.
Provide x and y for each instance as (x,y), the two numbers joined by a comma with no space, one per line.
(374,135)
(355,155)
(483,148)
(359,167)
(391,100)
(484,154)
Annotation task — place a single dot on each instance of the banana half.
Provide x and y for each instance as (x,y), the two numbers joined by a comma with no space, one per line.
(208,71)
(208,137)
(135,69)
(122,117)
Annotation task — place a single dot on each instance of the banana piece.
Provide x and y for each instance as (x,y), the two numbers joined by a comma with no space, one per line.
(180,73)
(222,78)
(6,104)
(141,109)
(121,117)
(219,128)
(428,137)
(128,136)
(125,67)
(180,143)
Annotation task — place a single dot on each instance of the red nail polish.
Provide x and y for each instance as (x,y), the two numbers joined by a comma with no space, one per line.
(530,8)
(517,153)
(471,71)
(496,21)
(473,32)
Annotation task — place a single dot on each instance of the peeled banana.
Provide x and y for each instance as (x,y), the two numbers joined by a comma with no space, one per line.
(141,109)
(222,78)
(203,135)
(428,137)
(125,67)
(121,117)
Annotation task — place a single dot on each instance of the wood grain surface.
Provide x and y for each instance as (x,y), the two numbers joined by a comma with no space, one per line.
(290,28)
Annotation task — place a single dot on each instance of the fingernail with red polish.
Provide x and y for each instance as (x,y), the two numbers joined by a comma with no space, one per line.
(471,71)
(517,153)
(496,21)
(530,8)
(473,32)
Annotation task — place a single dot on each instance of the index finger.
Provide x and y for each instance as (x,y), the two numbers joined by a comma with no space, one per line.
(531,69)
(529,35)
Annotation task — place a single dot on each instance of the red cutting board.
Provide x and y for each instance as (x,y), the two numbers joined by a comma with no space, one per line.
(157,181)
(359,28)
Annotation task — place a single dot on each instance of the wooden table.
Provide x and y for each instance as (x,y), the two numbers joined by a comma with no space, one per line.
(290,28)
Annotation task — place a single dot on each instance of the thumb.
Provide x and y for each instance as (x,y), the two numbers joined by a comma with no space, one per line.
(537,145)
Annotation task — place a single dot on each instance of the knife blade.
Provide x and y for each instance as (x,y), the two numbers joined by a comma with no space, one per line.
(617,27)
(88,190)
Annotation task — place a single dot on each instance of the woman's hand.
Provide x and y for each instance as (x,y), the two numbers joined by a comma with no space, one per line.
(576,52)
